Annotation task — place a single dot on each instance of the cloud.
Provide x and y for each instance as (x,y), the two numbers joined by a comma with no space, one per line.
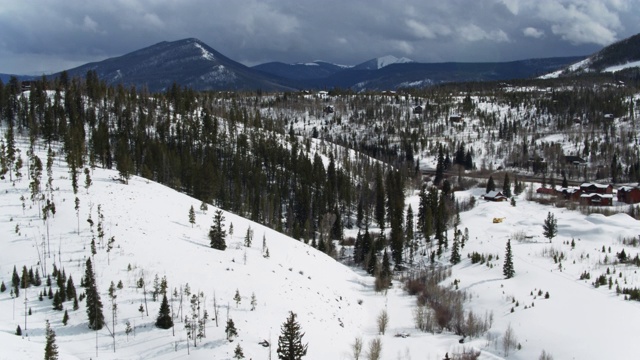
(473,32)
(580,22)
(423,31)
(255,31)
(533,32)
(89,24)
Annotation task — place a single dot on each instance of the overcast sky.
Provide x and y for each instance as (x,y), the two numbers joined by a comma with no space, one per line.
(39,36)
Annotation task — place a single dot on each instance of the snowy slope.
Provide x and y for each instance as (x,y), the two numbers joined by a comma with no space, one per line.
(153,235)
(334,304)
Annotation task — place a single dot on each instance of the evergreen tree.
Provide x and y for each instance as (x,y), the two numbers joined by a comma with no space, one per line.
(507,269)
(94,304)
(15,281)
(380,199)
(440,166)
(3,287)
(248,237)
(57,302)
(164,320)
(19,331)
(455,251)
(491,186)
(204,207)
(506,186)
(550,226)
(383,279)
(217,233)
(192,216)
(231,330)
(65,318)
(50,347)
(237,298)
(290,345)
(237,353)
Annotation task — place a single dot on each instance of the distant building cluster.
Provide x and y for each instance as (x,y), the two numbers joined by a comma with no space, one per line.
(595,194)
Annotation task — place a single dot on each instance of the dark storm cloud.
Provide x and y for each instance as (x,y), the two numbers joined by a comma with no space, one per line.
(45,35)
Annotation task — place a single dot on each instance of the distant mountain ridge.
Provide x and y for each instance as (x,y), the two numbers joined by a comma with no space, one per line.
(192,63)
(189,62)
(620,55)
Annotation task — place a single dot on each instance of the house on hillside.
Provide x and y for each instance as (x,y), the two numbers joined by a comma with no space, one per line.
(495,196)
(595,199)
(574,160)
(546,191)
(26,85)
(417,110)
(593,188)
(455,118)
(570,193)
(629,194)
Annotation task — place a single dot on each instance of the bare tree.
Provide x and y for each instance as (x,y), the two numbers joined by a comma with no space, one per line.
(375,349)
(383,321)
(357,348)
(545,356)
(508,340)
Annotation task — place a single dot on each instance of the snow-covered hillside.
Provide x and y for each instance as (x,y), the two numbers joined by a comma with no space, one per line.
(334,304)
(153,237)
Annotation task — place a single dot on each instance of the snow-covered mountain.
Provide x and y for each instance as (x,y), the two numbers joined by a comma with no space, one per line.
(624,54)
(380,62)
(189,62)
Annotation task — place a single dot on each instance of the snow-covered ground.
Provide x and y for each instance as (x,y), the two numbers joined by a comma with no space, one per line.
(334,303)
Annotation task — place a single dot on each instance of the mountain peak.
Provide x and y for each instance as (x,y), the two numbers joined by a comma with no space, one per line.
(382,61)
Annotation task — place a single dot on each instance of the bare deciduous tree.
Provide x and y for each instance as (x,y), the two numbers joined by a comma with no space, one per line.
(383,321)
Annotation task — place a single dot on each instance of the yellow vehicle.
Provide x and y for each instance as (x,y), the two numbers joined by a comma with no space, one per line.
(498,220)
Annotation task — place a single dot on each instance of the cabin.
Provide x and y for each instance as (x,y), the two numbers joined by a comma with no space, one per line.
(26,85)
(417,110)
(455,118)
(593,188)
(574,160)
(570,193)
(595,199)
(546,191)
(495,196)
(629,194)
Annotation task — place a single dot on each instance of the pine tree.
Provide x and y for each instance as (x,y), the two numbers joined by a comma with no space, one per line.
(50,348)
(248,237)
(204,207)
(164,320)
(506,186)
(65,318)
(94,304)
(550,226)
(230,330)
(192,216)
(455,251)
(3,287)
(237,353)
(507,269)
(237,298)
(491,186)
(216,233)
(290,345)
(19,331)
